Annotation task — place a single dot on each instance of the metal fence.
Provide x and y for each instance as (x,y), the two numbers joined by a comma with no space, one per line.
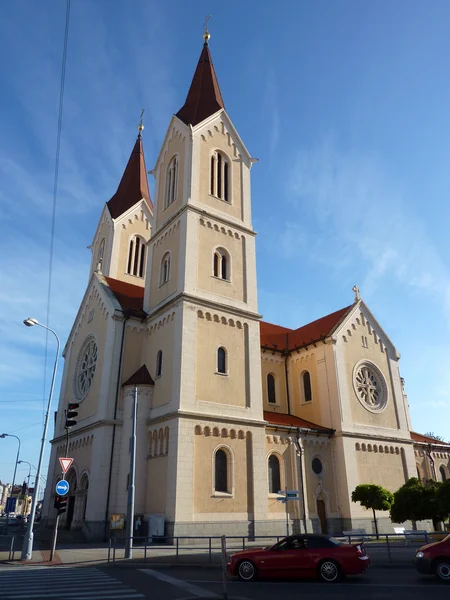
(382,548)
(9,544)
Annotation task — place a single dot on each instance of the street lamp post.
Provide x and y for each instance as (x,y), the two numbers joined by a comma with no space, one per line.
(4,435)
(28,482)
(27,549)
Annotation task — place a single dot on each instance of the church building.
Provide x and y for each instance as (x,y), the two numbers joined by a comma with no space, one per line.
(231,409)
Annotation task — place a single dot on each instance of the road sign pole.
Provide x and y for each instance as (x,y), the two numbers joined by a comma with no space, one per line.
(55,535)
(131,488)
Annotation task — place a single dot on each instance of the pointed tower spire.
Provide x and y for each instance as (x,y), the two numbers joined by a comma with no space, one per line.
(204,97)
(134,184)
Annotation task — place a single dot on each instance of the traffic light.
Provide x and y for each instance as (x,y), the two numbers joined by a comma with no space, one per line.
(71,412)
(60,504)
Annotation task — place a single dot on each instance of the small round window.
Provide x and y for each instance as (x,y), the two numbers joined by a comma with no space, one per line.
(317,466)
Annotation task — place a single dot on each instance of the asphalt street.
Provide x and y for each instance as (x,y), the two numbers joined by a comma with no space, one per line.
(121,583)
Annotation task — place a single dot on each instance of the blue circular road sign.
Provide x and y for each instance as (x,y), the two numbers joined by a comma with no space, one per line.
(62,487)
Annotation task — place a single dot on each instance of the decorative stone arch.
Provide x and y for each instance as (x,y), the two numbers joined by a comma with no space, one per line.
(166,441)
(198,430)
(155,443)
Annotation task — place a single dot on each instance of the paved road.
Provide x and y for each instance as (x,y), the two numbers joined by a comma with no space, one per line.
(118,583)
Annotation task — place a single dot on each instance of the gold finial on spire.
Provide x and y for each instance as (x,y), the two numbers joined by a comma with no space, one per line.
(141,125)
(206,34)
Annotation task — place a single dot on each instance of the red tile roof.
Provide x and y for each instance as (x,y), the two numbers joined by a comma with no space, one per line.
(282,338)
(133,186)
(204,97)
(283,419)
(141,377)
(130,297)
(418,437)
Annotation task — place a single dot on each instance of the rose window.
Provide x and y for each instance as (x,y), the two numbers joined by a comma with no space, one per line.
(370,386)
(87,362)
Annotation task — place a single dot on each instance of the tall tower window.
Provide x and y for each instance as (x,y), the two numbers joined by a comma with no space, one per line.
(164,274)
(307,391)
(220,176)
(171,182)
(271,396)
(274,474)
(101,252)
(136,257)
(222,360)
(221,264)
(221,471)
(159,357)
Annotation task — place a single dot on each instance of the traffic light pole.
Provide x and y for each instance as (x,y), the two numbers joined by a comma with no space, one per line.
(55,532)
(131,487)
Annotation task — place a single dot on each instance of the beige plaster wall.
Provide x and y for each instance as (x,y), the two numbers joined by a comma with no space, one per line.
(97,327)
(298,363)
(176,145)
(354,351)
(210,237)
(231,388)
(218,138)
(135,224)
(239,501)
(156,492)
(104,232)
(279,446)
(167,241)
(322,485)
(384,468)
(161,336)
(133,351)
(272,363)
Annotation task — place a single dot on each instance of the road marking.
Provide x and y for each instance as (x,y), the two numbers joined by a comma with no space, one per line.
(317,583)
(185,585)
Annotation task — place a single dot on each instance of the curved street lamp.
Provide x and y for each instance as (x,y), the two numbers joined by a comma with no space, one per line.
(4,435)
(27,549)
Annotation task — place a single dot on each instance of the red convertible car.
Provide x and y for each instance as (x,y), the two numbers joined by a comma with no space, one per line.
(301,556)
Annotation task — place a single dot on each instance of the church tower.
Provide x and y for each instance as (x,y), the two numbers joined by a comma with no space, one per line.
(203,325)
(119,244)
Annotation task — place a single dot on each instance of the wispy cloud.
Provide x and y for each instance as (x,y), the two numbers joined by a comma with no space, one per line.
(270,111)
(357,209)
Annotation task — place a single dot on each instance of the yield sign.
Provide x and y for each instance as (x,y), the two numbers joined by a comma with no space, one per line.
(65,464)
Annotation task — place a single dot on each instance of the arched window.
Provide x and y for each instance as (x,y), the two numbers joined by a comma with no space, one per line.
(221,471)
(221,360)
(159,363)
(221,264)
(220,173)
(164,274)
(171,182)
(136,257)
(442,472)
(271,395)
(274,474)
(307,393)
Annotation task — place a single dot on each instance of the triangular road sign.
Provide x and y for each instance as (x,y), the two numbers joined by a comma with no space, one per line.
(65,464)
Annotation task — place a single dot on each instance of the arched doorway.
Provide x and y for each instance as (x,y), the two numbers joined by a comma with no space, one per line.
(84,487)
(322,513)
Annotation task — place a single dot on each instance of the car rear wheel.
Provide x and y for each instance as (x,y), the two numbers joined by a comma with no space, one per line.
(442,569)
(329,571)
(247,570)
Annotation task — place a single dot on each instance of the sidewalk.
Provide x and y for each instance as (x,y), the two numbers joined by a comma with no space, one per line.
(95,555)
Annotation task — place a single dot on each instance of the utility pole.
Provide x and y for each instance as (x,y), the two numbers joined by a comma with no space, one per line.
(131,486)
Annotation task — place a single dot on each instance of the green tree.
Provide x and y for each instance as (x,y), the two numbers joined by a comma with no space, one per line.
(416,501)
(373,497)
(438,438)
(443,498)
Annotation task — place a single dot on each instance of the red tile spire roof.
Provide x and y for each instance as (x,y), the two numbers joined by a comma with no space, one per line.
(133,186)
(204,97)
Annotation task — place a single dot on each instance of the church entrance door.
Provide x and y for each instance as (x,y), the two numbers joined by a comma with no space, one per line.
(321,511)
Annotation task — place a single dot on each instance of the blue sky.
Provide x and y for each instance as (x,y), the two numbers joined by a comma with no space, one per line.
(346,105)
